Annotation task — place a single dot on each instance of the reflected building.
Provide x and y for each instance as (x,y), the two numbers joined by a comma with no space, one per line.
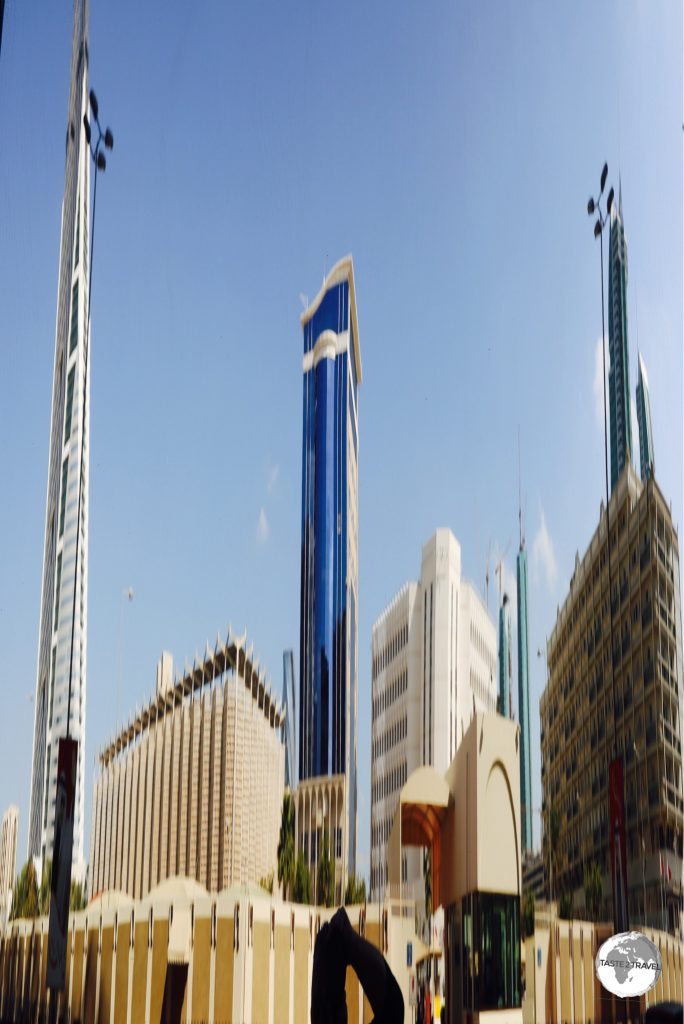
(329,561)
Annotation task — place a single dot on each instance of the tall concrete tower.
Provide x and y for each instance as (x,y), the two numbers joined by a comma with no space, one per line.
(64,591)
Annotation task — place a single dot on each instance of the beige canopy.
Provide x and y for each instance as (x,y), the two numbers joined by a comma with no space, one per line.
(423,805)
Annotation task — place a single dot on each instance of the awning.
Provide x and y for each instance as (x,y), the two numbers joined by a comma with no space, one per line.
(423,805)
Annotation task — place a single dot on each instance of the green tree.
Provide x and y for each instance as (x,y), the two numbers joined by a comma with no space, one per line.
(77,897)
(302,882)
(528,914)
(25,896)
(565,906)
(355,891)
(286,847)
(325,877)
(44,891)
(593,891)
(267,882)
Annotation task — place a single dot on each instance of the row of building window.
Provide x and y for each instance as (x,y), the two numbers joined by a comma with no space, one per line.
(389,782)
(390,693)
(389,738)
(390,650)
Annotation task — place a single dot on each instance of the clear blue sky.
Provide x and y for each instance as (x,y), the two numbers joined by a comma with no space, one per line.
(451,148)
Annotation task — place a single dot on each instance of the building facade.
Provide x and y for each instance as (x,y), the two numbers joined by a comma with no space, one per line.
(8,860)
(618,376)
(628,700)
(329,553)
(290,723)
(64,592)
(433,669)
(643,404)
(524,703)
(193,786)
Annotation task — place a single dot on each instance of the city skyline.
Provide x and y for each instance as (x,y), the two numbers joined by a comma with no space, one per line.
(423,202)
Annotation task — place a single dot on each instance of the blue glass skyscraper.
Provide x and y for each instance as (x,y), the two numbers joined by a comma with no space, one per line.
(618,376)
(329,553)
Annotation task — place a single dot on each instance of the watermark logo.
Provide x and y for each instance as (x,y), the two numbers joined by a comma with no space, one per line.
(628,964)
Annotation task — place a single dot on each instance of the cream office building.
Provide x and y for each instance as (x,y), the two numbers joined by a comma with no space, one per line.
(193,786)
(433,668)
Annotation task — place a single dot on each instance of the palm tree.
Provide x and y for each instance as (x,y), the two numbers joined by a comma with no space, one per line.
(302,881)
(325,879)
(25,897)
(286,847)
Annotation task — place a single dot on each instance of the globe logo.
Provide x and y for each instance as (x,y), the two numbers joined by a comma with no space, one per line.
(628,964)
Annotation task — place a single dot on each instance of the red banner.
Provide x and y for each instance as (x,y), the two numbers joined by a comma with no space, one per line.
(618,851)
(60,883)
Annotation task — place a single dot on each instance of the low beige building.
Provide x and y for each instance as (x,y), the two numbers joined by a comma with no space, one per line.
(470,819)
(193,786)
(320,809)
(184,954)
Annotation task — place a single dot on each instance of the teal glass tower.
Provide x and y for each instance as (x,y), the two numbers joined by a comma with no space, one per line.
(643,404)
(618,377)
(524,703)
(505,668)
(329,553)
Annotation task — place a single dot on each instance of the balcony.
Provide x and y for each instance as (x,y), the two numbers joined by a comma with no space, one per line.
(648,673)
(651,733)
(624,591)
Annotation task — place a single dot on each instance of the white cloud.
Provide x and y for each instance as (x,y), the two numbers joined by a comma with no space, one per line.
(543,553)
(598,380)
(262,529)
(272,474)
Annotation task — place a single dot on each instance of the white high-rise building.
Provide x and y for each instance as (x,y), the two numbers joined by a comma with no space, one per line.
(8,860)
(434,659)
(64,592)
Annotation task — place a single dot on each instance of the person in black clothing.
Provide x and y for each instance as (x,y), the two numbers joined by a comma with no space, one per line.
(339,946)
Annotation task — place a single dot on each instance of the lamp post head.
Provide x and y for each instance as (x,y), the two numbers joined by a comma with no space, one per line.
(101,162)
(604,172)
(590,207)
(611,196)
(597,229)
(93,103)
(86,126)
(109,139)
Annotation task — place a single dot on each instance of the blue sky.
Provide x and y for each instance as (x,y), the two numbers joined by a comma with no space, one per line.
(451,148)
